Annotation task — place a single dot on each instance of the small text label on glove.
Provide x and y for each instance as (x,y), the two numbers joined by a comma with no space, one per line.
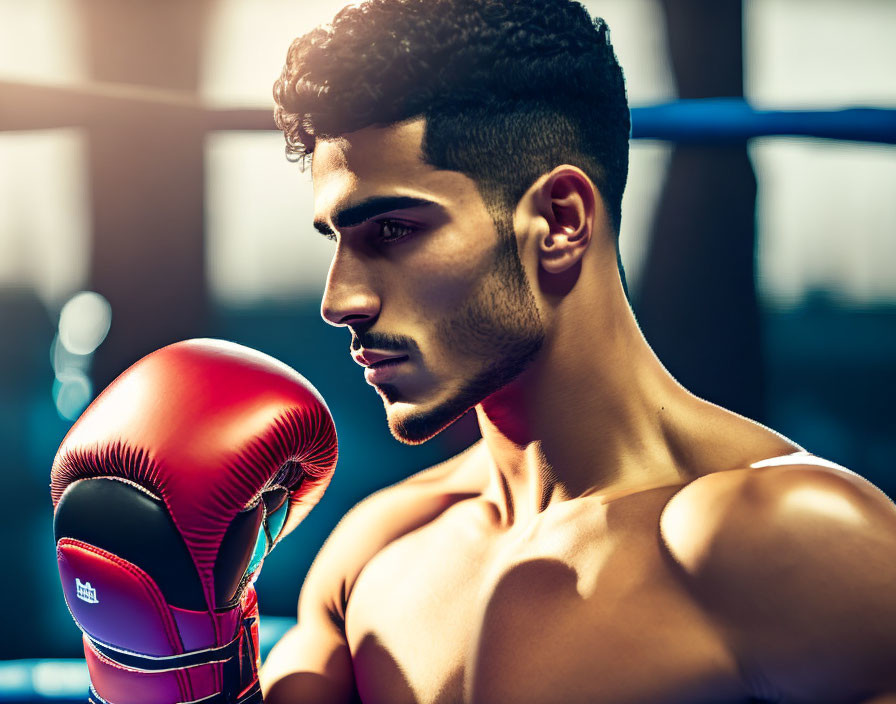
(86,592)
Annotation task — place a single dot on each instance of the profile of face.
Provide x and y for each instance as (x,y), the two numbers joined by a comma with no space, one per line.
(429,284)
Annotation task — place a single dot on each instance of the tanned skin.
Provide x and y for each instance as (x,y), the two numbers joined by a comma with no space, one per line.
(608,539)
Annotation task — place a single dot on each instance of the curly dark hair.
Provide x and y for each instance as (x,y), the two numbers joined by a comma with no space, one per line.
(509,89)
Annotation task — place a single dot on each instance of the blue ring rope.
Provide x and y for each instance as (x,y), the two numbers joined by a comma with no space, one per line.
(721,120)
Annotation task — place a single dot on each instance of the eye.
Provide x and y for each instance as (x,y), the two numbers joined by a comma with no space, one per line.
(326,235)
(392,230)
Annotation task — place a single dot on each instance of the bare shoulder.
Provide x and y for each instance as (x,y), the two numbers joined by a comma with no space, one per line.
(381,518)
(407,505)
(796,559)
(790,501)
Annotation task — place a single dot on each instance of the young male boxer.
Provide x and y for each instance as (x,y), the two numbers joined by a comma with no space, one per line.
(612,538)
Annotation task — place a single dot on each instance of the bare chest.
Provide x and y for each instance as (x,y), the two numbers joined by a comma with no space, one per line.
(572,612)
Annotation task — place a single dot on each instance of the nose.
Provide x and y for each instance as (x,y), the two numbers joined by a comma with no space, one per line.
(349,297)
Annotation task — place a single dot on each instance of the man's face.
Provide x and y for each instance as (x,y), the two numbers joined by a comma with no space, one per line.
(434,294)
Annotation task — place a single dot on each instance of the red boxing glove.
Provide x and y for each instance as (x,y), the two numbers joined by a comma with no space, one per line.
(168,492)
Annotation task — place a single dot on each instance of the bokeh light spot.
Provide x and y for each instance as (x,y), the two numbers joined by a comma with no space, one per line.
(84,322)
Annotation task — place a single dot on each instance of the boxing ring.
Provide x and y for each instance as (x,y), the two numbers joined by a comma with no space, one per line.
(703,122)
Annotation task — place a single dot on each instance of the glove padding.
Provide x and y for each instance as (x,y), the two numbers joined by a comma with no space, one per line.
(168,493)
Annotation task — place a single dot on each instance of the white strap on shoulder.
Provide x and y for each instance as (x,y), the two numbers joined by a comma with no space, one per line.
(801,457)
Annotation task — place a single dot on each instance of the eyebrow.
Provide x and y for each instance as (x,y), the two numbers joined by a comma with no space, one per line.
(361,212)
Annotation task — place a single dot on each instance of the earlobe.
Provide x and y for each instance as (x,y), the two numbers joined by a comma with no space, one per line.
(561,250)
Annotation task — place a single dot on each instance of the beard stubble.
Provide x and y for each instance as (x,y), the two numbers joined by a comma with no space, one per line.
(498,329)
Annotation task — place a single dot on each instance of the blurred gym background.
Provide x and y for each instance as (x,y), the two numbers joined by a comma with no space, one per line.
(762,272)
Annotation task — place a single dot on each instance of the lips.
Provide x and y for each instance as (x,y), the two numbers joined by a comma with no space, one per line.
(382,371)
(368,358)
(379,366)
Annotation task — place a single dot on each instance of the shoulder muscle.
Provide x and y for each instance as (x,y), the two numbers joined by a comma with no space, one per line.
(795,562)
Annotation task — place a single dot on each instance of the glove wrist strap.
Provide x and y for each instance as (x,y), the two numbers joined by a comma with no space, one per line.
(237,659)
(253,696)
(164,663)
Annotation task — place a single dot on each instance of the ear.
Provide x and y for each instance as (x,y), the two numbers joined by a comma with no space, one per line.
(566,202)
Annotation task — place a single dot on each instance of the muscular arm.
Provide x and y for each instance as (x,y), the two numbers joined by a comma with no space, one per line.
(798,566)
(311,664)
(324,676)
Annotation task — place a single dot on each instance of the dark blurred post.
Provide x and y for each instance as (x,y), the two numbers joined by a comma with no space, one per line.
(697,299)
(146,175)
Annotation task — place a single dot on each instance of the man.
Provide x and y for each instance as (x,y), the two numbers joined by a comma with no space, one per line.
(612,537)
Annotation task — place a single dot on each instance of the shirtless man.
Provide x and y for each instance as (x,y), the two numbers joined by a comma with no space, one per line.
(612,537)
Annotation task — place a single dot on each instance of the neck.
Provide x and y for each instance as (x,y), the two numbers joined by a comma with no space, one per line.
(596,412)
